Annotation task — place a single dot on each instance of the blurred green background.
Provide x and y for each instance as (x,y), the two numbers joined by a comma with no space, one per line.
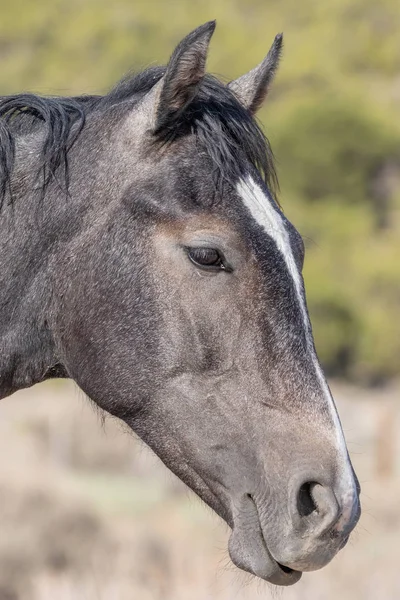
(332,119)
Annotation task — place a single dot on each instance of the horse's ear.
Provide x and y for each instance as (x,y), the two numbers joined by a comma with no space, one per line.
(184,72)
(251,89)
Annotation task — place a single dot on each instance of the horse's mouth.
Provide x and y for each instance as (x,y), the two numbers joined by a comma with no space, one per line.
(283,575)
(261,563)
(249,549)
(286,570)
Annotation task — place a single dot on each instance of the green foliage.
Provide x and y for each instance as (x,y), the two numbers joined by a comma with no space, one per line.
(333,120)
(334,149)
(341,173)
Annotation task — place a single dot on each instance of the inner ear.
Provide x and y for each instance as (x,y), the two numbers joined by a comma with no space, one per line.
(182,78)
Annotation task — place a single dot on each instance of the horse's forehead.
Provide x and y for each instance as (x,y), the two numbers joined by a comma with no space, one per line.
(265,213)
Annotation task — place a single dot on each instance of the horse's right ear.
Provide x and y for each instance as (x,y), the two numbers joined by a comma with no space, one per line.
(186,68)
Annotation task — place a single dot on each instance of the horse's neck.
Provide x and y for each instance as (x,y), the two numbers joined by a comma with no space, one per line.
(27,353)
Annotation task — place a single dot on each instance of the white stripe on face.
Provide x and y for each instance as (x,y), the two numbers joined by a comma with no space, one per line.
(266,215)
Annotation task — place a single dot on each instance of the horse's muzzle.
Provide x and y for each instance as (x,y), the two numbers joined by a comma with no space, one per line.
(316,525)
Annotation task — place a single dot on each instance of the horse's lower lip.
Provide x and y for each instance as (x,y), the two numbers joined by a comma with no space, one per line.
(285,575)
(270,570)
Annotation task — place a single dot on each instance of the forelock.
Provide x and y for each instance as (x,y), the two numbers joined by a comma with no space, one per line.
(227,132)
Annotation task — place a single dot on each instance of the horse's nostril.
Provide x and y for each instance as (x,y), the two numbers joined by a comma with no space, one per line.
(305,501)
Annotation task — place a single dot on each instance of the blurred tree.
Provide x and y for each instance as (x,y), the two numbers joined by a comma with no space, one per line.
(335,150)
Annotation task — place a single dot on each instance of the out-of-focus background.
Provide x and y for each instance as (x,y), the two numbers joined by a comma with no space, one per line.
(86,512)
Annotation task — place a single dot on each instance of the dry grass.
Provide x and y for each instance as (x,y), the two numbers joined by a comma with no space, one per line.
(87,513)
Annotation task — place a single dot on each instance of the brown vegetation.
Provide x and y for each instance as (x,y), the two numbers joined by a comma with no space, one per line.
(87,513)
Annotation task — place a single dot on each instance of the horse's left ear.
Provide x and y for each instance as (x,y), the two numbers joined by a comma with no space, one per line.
(251,89)
(185,70)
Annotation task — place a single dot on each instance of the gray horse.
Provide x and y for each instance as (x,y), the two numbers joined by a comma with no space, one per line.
(144,254)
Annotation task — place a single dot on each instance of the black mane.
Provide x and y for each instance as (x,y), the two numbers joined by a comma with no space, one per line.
(222,125)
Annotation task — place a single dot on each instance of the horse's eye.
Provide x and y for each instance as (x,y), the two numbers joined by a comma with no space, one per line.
(206,258)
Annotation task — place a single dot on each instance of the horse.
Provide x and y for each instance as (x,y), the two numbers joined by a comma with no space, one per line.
(145,255)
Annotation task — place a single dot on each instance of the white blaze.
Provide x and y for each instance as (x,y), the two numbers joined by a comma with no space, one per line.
(263,211)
